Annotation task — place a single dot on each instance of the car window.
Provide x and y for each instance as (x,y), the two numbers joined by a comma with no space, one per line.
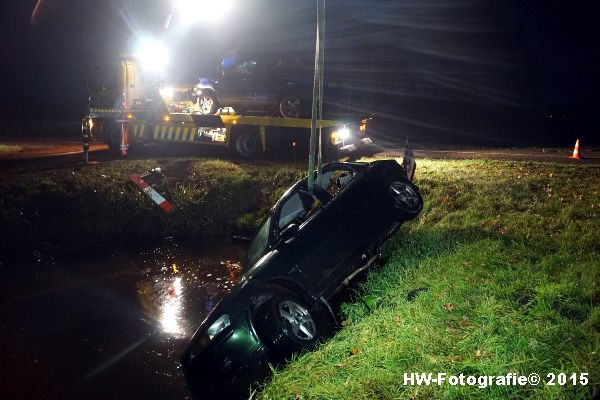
(336,180)
(296,206)
(245,68)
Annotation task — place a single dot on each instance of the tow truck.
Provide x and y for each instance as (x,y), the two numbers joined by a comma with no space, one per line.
(145,111)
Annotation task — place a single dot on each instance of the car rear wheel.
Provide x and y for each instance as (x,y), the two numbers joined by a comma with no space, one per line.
(407,198)
(290,106)
(207,103)
(288,325)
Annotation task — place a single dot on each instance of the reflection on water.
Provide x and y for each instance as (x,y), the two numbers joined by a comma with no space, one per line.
(178,291)
(171,308)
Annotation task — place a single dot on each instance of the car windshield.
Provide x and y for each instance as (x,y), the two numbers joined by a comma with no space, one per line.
(259,243)
(336,180)
(296,207)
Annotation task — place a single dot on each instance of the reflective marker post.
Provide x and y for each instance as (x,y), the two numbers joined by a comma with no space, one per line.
(294,151)
(124,136)
(85,134)
(164,204)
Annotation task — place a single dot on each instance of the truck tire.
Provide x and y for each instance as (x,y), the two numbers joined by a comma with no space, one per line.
(247,144)
(112,137)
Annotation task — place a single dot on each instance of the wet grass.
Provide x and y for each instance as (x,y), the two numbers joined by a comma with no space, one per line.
(509,255)
(58,211)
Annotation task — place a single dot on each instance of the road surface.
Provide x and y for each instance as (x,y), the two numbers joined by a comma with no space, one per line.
(56,154)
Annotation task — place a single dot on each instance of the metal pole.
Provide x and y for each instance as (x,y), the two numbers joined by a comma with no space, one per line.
(317,90)
(168,19)
(321,31)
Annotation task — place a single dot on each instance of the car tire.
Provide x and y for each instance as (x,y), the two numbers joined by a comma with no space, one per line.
(247,144)
(289,325)
(207,103)
(406,198)
(290,106)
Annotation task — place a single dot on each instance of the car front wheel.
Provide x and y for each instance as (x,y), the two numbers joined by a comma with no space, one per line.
(207,103)
(289,325)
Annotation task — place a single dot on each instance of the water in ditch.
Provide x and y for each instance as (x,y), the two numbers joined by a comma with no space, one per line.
(109,325)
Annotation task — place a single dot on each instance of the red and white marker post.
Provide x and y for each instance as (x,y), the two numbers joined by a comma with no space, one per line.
(153,194)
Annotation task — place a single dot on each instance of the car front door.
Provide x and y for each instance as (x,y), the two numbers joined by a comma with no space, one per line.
(266,85)
(324,242)
(333,243)
(237,84)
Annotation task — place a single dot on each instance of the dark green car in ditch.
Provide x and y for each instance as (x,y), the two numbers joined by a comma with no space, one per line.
(309,247)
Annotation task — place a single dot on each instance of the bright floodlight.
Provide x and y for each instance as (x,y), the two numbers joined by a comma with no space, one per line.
(202,10)
(152,55)
(343,133)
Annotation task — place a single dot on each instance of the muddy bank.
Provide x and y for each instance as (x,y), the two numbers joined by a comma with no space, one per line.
(49,213)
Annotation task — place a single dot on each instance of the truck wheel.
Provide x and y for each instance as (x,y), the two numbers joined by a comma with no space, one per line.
(290,106)
(247,144)
(112,138)
(207,103)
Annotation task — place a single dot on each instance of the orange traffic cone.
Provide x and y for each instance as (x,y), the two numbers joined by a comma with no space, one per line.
(576,154)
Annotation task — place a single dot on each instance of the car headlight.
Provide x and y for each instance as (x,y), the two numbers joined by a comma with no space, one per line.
(203,341)
(217,327)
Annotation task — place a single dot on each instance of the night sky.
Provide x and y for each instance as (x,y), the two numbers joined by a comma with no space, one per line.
(546,48)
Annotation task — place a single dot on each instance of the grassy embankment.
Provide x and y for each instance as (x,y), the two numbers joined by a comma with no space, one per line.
(58,211)
(509,254)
